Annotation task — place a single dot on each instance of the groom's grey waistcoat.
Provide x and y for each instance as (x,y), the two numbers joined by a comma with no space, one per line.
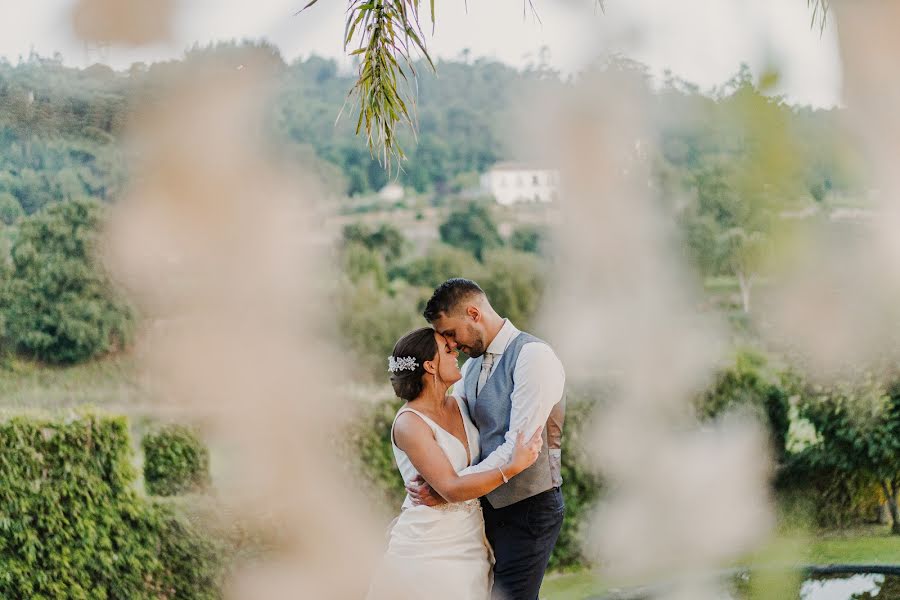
(491,413)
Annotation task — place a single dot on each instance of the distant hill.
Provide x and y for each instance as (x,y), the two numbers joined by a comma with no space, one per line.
(59,126)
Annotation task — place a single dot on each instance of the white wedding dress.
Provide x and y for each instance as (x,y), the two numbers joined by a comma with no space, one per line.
(438,552)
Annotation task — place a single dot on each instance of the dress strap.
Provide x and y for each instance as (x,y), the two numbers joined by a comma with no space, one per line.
(428,421)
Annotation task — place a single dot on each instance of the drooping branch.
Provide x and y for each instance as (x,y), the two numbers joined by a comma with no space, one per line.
(385,34)
(819,13)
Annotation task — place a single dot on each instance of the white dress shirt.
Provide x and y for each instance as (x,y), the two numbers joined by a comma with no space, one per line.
(539,382)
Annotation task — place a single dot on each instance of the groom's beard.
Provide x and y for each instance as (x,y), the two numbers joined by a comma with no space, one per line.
(477,348)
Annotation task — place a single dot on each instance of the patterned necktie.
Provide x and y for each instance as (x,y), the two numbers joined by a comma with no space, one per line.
(486,365)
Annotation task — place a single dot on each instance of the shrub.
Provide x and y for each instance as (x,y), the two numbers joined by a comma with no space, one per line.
(824,496)
(514,282)
(371,454)
(387,241)
(372,320)
(10,209)
(857,426)
(72,525)
(438,265)
(360,264)
(581,485)
(175,461)
(472,228)
(749,385)
(58,303)
(529,238)
(193,565)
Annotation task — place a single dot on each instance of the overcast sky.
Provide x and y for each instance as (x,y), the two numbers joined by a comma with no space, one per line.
(703,41)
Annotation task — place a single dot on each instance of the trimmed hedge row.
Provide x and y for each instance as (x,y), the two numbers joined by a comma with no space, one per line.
(73,526)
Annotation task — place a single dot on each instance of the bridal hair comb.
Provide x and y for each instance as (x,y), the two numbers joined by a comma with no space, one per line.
(402,363)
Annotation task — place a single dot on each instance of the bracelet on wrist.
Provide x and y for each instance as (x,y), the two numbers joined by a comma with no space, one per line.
(503,475)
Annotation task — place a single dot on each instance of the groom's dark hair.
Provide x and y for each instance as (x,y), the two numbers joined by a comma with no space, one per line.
(448,296)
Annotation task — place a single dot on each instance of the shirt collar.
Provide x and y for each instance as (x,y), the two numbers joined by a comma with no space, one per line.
(503,337)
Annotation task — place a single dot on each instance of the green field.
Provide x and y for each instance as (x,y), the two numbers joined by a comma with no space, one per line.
(870,545)
(111,383)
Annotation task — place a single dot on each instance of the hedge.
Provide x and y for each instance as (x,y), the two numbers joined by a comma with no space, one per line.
(73,526)
(176,461)
(823,496)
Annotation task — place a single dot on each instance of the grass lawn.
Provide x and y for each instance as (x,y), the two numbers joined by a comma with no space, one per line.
(108,383)
(865,545)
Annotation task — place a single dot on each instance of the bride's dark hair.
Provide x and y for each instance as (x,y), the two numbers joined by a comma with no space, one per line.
(421,346)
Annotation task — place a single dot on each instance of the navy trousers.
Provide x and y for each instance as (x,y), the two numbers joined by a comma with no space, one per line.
(523,535)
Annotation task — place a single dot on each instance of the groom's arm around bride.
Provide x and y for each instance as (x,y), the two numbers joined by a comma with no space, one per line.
(512,382)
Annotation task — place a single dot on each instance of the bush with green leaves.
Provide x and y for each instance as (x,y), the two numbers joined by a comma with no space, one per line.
(372,319)
(10,209)
(857,426)
(72,525)
(386,240)
(582,485)
(811,489)
(59,304)
(472,228)
(439,264)
(176,461)
(514,282)
(752,386)
(529,238)
(360,263)
(370,453)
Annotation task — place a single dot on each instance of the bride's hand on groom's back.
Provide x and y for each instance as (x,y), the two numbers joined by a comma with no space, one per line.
(423,494)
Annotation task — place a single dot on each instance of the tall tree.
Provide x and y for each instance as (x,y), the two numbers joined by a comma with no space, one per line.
(858,427)
(471,228)
(740,171)
(58,303)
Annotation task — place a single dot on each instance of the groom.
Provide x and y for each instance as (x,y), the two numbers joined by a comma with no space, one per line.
(512,382)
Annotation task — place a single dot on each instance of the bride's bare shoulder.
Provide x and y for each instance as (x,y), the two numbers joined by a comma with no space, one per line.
(410,429)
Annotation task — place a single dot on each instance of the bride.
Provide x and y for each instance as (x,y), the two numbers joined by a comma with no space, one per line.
(439,552)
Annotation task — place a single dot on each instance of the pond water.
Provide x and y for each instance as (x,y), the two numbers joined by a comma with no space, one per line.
(846,587)
(850,586)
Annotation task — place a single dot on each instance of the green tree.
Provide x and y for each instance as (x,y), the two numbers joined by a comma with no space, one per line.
(372,319)
(362,263)
(386,240)
(471,228)
(10,209)
(727,232)
(515,283)
(858,427)
(749,385)
(59,304)
(528,238)
(440,264)
(740,174)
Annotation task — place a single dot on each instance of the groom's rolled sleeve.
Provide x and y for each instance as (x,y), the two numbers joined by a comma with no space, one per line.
(539,382)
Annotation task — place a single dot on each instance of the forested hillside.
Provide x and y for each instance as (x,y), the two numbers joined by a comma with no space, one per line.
(59,126)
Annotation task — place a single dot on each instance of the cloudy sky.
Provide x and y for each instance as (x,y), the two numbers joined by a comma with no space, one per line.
(703,41)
